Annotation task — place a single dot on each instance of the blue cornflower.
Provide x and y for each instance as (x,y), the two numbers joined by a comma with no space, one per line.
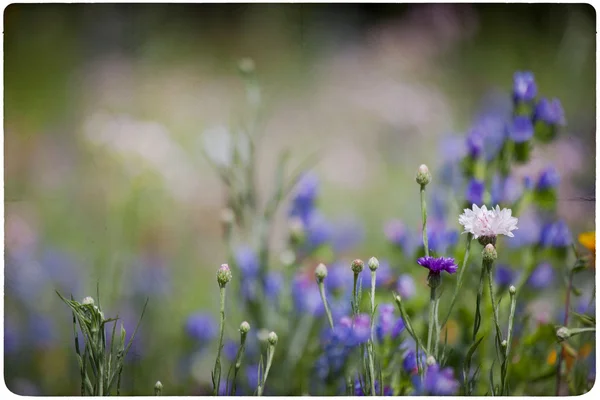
(529,231)
(409,363)
(504,275)
(252,376)
(362,328)
(550,112)
(521,129)
(505,190)
(306,192)
(548,179)
(201,327)
(555,235)
(452,148)
(273,285)
(230,349)
(338,277)
(319,229)
(440,382)
(388,324)
(406,286)
(475,142)
(306,296)
(524,87)
(439,238)
(247,261)
(492,125)
(474,191)
(347,233)
(541,277)
(436,265)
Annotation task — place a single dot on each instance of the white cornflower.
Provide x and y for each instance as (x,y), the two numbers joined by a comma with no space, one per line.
(482,222)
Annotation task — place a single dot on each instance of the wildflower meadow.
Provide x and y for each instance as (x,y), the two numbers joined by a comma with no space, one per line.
(468,275)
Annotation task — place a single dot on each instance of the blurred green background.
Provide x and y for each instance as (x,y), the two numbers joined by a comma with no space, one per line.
(106,104)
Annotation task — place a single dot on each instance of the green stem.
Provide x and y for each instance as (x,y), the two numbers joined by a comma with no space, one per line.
(477,321)
(494,305)
(327,310)
(270,353)
(431,319)
(217,370)
(513,306)
(424,218)
(370,346)
(460,279)
(437,329)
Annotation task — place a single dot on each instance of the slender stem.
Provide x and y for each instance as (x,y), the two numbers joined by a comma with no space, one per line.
(477,321)
(424,218)
(494,305)
(217,370)
(324,298)
(565,323)
(460,279)
(370,346)
(513,306)
(354,298)
(431,319)
(437,329)
(270,353)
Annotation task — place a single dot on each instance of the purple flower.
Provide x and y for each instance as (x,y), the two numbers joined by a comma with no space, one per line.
(548,179)
(362,328)
(452,148)
(541,277)
(252,375)
(524,88)
(475,143)
(474,192)
(440,382)
(409,363)
(492,125)
(505,190)
(319,230)
(306,296)
(347,233)
(436,265)
(549,111)
(406,286)
(338,277)
(247,261)
(358,389)
(306,192)
(504,275)
(201,327)
(388,324)
(529,231)
(398,235)
(273,285)
(521,129)
(230,349)
(555,235)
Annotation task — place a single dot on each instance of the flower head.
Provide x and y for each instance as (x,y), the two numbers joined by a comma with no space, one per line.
(549,111)
(488,223)
(437,265)
(201,327)
(440,382)
(406,286)
(555,235)
(549,179)
(541,277)
(521,129)
(524,88)
(474,192)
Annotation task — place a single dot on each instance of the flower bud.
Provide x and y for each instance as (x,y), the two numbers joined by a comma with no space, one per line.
(321,272)
(357,266)
(158,388)
(287,258)
(244,327)
(246,65)
(373,264)
(423,175)
(227,216)
(272,338)
(88,300)
(512,289)
(485,240)
(223,275)
(430,360)
(504,343)
(489,253)
(563,333)
(296,228)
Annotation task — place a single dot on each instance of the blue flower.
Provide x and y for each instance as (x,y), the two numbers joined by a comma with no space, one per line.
(409,363)
(358,389)
(437,265)
(548,179)
(475,142)
(319,230)
(383,276)
(521,129)
(347,233)
(252,376)
(406,286)
(201,327)
(273,285)
(41,331)
(529,231)
(541,277)
(306,192)
(398,235)
(492,125)
(362,328)
(474,191)
(504,275)
(439,239)
(505,190)
(549,111)
(440,382)
(452,148)
(247,261)
(338,277)
(230,349)
(306,296)
(555,235)
(388,324)
(524,87)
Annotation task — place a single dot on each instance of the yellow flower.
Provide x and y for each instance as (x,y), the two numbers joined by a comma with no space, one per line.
(588,240)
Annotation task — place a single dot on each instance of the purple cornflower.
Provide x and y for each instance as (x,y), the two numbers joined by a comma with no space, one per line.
(436,265)
(521,129)
(440,382)
(474,191)
(406,286)
(555,235)
(492,125)
(548,179)
(549,111)
(504,275)
(247,261)
(306,192)
(201,327)
(388,324)
(505,190)
(541,277)
(475,143)
(524,87)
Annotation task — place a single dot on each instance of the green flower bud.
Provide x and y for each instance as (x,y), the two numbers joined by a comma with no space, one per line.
(430,360)
(88,300)
(321,272)
(423,175)
(357,266)
(512,289)
(504,343)
(489,253)
(373,264)
(158,388)
(245,327)
(223,275)
(272,338)
(563,333)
